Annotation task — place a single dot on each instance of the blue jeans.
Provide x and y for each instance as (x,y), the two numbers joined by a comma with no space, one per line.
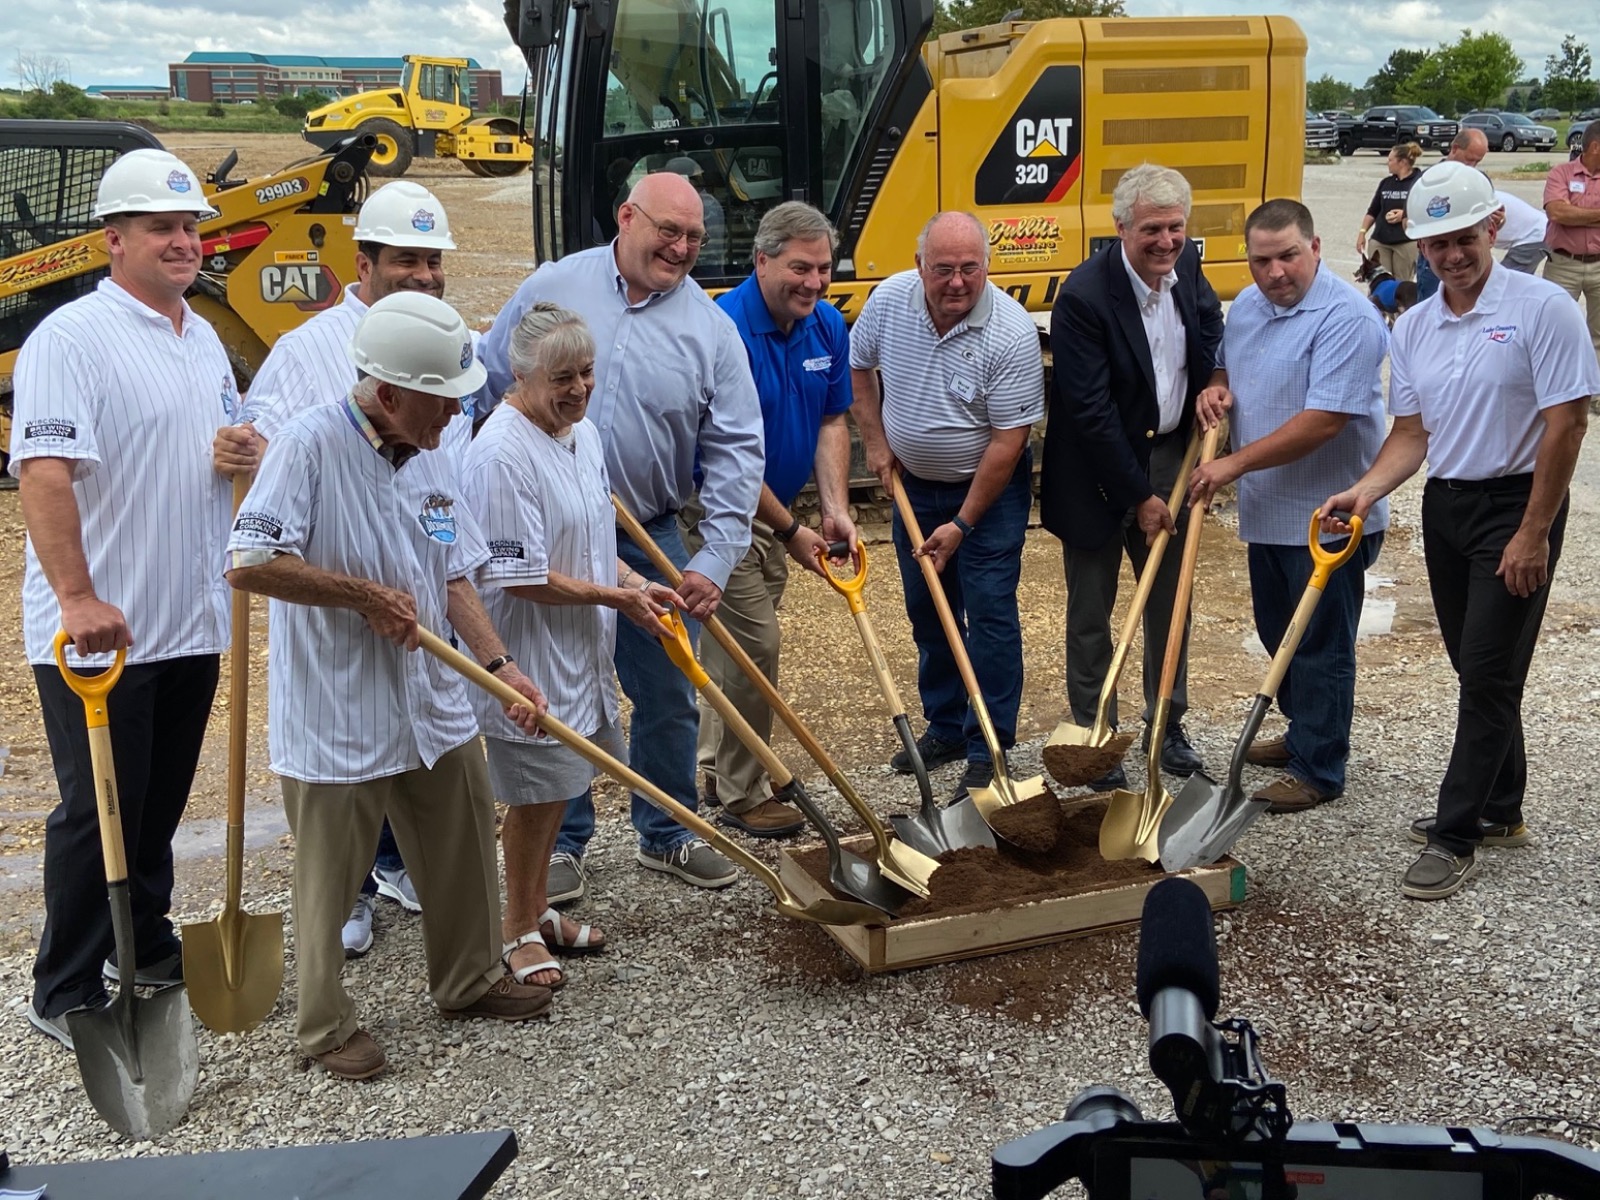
(1318,694)
(388,858)
(665,724)
(980,582)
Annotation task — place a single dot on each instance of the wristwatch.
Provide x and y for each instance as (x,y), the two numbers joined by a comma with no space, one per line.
(494,664)
(783,535)
(966,529)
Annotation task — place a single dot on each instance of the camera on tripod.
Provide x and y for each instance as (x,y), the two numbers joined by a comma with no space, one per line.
(1235,1138)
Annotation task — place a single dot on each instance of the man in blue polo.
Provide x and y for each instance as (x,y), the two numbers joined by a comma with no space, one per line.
(800,356)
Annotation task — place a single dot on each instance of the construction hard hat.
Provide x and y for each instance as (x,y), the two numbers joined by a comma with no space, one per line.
(144,181)
(1450,196)
(685,166)
(403,213)
(416,341)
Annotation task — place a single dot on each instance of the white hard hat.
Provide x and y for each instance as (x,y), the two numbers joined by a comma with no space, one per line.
(1450,196)
(144,181)
(403,213)
(419,342)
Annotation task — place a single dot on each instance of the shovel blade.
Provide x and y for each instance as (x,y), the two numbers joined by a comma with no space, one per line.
(1206,820)
(855,876)
(139,1060)
(1075,761)
(233,968)
(1119,828)
(987,801)
(831,912)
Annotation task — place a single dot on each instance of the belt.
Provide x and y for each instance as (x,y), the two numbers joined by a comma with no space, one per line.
(1583,258)
(1500,483)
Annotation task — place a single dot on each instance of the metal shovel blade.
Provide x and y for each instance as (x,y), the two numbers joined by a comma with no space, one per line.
(1126,819)
(958,827)
(138,1059)
(847,872)
(1005,793)
(233,969)
(1075,757)
(1204,823)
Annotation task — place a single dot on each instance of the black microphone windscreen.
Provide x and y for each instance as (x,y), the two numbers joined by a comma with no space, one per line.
(1177,945)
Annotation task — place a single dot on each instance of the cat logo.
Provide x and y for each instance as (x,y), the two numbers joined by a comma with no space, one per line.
(1046,138)
(310,287)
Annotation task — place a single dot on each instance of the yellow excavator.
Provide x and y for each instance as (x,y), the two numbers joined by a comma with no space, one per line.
(277,253)
(425,117)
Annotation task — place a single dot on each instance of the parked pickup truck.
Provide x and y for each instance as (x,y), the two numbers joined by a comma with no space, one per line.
(1382,129)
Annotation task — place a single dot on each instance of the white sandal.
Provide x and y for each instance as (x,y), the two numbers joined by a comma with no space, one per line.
(584,943)
(521,974)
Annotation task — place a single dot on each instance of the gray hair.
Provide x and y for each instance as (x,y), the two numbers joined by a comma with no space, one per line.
(793,221)
(1159,187)
(548,336)
(979,226)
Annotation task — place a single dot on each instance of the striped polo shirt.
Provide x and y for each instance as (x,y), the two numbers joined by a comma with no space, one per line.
(942,395)
(544,504)
(343,704)
(106,382)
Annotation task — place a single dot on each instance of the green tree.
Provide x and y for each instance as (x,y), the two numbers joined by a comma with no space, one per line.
(1384,87)
(1514,101)
(1328,92)
(1472,72)
(1566,75)
(969,14)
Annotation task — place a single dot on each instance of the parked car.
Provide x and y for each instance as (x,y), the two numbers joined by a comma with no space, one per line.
(1545,114)
(1321,133)
(1510,131)
(1588,114)
(1387,126)
(1575,138)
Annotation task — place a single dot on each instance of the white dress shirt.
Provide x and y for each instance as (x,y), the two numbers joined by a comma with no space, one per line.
(1169,348)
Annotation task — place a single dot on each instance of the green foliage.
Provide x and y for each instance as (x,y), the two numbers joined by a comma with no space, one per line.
(1514,101)
(1474,71)
(61,103)
(969,14)
(1384,87)
(1567,85)
(1328,92)
(215,109)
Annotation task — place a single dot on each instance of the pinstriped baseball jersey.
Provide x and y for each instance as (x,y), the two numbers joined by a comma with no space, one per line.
(545,506)
(106,382)
(311,365)
(344,705)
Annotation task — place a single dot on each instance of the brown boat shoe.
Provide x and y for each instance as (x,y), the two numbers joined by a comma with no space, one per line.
(1268,752)
(1290,795)
(506,1000)
(769,819)
(359,1058)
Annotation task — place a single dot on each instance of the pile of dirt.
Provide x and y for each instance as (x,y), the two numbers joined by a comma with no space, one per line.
(1075,766)
(1032,825)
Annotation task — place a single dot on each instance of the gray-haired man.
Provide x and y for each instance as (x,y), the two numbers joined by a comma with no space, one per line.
(800,356)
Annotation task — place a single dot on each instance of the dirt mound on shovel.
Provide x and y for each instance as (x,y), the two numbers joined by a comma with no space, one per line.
(1075,766)
(1033,826)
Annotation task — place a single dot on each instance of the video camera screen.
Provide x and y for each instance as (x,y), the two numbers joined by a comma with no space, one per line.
(1177,1179)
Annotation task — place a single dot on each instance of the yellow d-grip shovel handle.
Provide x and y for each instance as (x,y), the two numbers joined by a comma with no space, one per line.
(675,641)
(91,689)
(1326,563)
(850,588)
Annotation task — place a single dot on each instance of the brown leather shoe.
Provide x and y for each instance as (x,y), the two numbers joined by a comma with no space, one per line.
(1268,752)
(506,1000)
(359,1058)
(1289,795)
(769,819)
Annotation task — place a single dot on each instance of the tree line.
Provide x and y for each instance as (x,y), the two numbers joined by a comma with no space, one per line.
(1475,71)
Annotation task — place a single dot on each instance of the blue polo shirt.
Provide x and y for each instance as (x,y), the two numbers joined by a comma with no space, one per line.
(800,378)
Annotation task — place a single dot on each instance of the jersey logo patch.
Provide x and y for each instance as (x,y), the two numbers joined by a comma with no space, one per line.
(1500,333)
(261,524)
(230,397)
(438,521)
(504,551)
(821,363)
(51,430)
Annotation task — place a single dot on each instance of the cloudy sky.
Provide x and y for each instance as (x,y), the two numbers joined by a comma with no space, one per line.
(132,41)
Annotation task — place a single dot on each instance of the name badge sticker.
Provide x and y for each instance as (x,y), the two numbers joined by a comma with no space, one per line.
(963,389)
(1577,185)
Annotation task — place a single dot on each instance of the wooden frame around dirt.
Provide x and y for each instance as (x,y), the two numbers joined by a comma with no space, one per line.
(899,945)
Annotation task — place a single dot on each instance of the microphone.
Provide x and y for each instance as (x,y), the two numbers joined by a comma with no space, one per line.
(1178,992)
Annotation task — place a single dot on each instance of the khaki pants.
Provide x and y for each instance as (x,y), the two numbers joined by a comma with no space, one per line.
(750,611)
(1400,261)
(443,821)
(1581,281)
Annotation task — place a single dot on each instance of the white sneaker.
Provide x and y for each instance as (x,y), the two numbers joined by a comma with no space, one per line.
(357,931)
(396,886)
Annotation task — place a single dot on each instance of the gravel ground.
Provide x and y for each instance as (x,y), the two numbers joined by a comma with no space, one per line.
(720,1050)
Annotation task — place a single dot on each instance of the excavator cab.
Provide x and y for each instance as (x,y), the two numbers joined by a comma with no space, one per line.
(772,100)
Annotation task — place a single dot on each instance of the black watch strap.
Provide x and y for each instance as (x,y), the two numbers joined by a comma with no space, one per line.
(494,664)
(783,535)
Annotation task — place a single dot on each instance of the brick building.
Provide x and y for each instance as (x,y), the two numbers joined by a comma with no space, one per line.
(230,77)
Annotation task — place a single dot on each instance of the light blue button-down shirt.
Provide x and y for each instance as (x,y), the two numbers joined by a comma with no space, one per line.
(1324,354)
(671,376)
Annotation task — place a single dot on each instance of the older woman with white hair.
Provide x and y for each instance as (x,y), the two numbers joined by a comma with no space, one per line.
(535,480)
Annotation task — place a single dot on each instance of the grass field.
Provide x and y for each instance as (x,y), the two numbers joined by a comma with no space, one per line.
(179,116)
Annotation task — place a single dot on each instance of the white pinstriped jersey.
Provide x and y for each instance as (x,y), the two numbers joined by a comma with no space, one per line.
(544,506)
(311,365)
(106,382)
(344,705)
(942,395)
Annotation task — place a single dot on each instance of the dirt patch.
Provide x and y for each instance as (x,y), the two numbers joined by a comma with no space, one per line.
(1033,826)
(1075,766)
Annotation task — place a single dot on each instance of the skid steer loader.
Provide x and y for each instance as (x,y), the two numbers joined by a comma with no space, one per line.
(277,253)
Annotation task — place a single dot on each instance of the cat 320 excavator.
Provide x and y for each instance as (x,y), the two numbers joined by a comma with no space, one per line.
(277,253)
(848,104)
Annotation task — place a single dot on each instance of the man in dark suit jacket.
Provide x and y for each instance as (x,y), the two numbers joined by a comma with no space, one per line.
(1134,336)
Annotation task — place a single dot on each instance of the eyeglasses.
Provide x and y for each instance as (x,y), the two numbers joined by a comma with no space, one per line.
(668,234)
(944,271)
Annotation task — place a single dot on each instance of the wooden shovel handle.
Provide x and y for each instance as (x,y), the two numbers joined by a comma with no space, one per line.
(1186,573)
(238,727)
(92,690)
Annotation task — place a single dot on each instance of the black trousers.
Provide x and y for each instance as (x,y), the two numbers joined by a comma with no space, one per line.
(1490,635)
(158,717)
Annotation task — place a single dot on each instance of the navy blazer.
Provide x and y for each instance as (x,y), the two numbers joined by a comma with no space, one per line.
(1103,410)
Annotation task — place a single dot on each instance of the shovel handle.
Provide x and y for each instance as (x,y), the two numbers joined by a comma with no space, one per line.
(92,690)
(238,725)
(850,588)
(1327,562)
